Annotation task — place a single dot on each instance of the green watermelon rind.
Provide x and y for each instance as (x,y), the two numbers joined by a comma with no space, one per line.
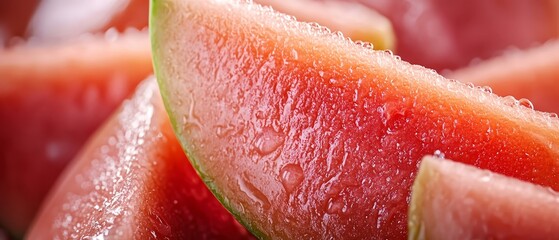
(155,6)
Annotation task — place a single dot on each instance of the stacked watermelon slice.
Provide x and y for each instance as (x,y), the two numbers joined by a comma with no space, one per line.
(291,129)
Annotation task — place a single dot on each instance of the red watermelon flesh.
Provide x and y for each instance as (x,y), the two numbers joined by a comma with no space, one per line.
(451,200)
(303,133)
(444,34)
(529,74)
(52,98)
(132,180)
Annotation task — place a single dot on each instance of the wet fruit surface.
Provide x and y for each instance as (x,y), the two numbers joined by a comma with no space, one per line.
(50,104)
(134,181)
(302,133)
(530,74)
(443,34)
(354,20)
(478,204)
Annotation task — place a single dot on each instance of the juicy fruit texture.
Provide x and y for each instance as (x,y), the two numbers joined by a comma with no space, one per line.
(454,201)
(530,74)
(134,181)
(56,20)
(51,100)
(354,20)
(444,34)
(303,133)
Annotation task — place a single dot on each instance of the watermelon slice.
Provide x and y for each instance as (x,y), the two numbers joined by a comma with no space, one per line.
(59,20)
(454,201)
(302,133)
(530,74)
(354,20)
(132,180)
(445,34)
(51,100)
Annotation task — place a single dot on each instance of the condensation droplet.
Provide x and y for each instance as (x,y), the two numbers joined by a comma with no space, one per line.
(438,154)
(366,45)
(111,35)
(511,101)
(340,34)
(190,120)
(294,54)
(390,111)
(526,103)
(252,192)
(335,205)
(268,141)
(224,130)
(487,89)
(291,176)
(486,178)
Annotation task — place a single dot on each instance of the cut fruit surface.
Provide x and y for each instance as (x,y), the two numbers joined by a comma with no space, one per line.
(530,74)
(444,34)
(300,132)
(354,20)
(132,180)
(454,201)
(51,100)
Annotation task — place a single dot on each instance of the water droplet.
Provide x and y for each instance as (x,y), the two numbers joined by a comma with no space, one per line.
(553,115)
(335,205)
(111,35)
(190,120)
(389,52)
(366,45)
(487,89)
(511,101)
(268,141)
(526,103)
(291,176)
(224,130)
(294,54)
(252,192)
(438,154)
(390,111)
(355,95)
(470,85)
(486,177)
